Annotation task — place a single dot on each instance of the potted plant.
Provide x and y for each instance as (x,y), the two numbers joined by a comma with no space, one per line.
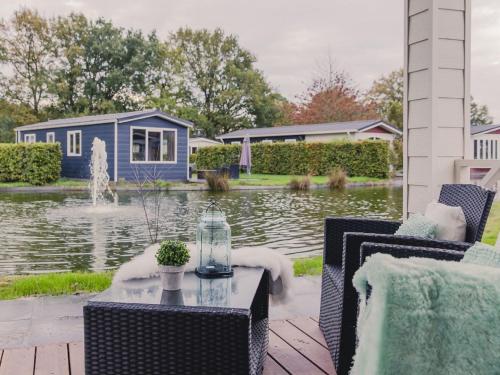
(172,257)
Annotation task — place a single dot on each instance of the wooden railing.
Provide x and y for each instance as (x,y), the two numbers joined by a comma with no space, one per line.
(489,180)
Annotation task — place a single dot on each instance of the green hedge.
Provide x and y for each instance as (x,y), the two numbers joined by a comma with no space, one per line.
(359,158)
(35,163)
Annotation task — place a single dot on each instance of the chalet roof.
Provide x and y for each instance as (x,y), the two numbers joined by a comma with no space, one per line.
(329,128)
(104,119)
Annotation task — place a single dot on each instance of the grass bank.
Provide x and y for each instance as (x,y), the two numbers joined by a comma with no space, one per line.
(53,284)
(62,182)
(245,180)
(283,180)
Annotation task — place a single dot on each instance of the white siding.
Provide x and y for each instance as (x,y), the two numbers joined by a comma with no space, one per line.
(437,92)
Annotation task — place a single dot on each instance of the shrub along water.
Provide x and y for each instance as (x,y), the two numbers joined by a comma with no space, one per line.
(359,158)
(337,178)
(302,184)
(34,163)
(217,182)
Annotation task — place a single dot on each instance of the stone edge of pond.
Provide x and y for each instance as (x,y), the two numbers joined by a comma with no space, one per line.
(53,189)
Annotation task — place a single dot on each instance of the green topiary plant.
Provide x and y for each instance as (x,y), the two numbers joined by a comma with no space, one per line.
(172,253)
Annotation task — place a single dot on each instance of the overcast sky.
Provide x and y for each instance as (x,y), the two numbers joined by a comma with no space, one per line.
(290,37)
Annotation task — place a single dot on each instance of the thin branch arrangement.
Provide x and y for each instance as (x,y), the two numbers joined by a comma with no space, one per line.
(149,187)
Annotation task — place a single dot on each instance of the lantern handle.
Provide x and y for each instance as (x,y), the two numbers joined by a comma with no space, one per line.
(213,204)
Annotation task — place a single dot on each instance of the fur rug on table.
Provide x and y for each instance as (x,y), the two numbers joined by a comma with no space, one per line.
(279,266)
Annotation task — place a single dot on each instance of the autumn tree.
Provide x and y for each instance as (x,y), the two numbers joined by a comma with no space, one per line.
(25,50)
(331,97)
(387,95)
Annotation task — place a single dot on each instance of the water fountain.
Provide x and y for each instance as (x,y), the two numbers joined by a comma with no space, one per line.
(99,177)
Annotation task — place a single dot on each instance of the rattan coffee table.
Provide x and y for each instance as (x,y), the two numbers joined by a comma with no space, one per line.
(212,326)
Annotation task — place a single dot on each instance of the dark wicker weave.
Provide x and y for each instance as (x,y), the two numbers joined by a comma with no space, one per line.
(342,258)
(133,339)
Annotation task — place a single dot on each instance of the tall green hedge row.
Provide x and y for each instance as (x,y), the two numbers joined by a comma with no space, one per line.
(359,158)
(35,163)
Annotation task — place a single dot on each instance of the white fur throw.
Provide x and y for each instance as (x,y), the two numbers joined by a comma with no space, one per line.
(279,266)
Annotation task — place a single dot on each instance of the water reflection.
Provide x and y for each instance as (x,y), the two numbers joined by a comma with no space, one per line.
(58,231)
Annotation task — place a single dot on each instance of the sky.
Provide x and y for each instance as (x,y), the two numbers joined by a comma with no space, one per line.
(291,39)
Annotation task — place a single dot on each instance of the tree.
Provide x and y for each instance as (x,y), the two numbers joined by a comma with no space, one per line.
(25,45)
(387,95)
(70,36)
(479,114)
(221,90)
(12,115)
(331,97)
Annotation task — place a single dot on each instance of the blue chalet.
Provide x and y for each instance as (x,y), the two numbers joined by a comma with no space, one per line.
(133,140)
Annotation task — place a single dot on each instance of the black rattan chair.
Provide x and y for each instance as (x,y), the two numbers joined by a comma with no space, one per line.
(344,238)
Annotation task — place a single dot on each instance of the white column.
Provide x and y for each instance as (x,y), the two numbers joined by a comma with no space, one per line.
(437,96)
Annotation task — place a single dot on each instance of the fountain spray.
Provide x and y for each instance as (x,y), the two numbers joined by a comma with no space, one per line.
(99,177)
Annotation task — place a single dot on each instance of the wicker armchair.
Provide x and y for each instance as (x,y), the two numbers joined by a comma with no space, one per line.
(344,238)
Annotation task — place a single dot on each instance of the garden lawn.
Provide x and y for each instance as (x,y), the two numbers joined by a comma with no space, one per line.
(64,182)
(283,180)
(493,225)
(53,284)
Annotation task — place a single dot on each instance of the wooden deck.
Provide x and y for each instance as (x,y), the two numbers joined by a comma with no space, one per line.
(295,347)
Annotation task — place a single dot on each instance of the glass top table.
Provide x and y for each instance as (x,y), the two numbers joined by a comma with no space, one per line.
(236,292)
(210,326)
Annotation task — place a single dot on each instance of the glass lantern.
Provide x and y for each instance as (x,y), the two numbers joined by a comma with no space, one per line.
(213,241)
(214,292)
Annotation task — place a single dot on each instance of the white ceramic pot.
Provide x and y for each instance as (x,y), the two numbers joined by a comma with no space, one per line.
(171,277)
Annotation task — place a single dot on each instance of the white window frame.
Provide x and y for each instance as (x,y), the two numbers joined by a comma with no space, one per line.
(51,134)
(236,143)
(290,140)
(30,138)
(68,145)
(267,141)
(148,129)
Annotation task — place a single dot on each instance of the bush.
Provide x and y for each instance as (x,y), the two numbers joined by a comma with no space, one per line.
(192,159)
(397,154)
(34,163)
(217,182)
(172,253)
(302,184)
(337,178)
(359,158)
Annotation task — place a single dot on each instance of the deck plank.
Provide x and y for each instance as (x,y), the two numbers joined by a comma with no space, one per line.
(289,358)
(76,358)
(17,361)
(303,344)
(310,328)
(52,360)
(271,367)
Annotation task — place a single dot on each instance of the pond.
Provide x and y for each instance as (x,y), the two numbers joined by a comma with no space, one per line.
(49,232)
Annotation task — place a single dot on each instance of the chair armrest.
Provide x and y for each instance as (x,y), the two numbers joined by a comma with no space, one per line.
(402,251)
(352,253)
(335,227)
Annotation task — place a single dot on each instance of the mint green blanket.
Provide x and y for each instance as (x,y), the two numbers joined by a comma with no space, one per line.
(427,317)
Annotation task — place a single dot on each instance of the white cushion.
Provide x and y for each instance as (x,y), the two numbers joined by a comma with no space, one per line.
(451,224)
